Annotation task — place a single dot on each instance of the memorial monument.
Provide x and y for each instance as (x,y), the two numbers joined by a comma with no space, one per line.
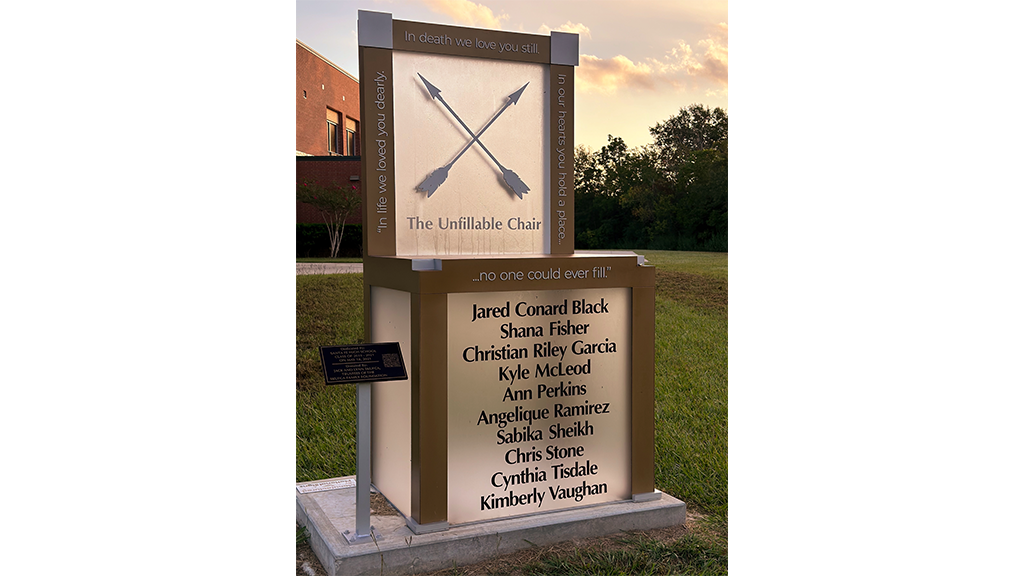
(531,366)
(530,389)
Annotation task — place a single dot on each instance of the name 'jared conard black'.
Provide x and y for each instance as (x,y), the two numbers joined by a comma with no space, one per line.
(524,310)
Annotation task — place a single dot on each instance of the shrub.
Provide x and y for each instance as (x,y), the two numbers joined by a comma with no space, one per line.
(312,241)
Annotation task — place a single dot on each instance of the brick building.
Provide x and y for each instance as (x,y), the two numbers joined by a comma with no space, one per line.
(326,106)
(326,126)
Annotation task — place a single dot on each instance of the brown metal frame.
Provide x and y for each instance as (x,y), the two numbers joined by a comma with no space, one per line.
(379,196)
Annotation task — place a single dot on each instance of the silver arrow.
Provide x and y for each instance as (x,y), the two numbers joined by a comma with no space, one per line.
(437,177)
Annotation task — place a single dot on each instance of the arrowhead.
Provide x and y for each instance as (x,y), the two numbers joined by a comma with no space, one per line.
(431,88)
(514,97)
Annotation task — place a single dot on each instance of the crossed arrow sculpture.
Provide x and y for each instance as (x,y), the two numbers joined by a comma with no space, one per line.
(437,177)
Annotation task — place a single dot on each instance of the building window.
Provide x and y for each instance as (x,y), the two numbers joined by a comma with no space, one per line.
(332,137)
(332,132)
(351,137)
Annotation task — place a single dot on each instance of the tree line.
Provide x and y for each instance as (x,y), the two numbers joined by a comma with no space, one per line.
(669,195)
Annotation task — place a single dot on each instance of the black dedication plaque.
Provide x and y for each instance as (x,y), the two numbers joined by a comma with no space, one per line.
(377,362)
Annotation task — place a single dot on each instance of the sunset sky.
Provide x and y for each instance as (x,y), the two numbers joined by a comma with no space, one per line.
(640,61)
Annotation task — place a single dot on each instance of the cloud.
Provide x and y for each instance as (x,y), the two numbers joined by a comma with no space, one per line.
(598,75)
(580,29)
(716,54)
(468,13)
(680,68)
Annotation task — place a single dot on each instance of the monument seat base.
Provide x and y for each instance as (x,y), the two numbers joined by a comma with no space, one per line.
(328,514)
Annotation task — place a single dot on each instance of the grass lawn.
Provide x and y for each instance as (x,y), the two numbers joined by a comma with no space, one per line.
(691,412)
(327,260)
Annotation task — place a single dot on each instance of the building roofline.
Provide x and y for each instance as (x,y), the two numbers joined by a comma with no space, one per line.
(320,56)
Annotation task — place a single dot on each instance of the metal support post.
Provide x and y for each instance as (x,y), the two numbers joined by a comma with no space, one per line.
(363,528)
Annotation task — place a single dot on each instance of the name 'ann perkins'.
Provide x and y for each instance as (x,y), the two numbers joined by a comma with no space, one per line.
(486,223)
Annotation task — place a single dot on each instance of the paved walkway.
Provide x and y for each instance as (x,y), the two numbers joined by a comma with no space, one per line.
(329,268)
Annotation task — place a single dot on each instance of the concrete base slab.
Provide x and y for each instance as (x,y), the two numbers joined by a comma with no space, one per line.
(328,514)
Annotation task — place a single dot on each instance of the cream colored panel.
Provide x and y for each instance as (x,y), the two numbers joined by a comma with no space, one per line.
(473,211)
(555,367)
(391,404)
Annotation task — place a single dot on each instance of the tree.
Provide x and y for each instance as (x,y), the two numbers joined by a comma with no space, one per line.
(616,195)
(671,195)
(693,150)
(600,221)
(336,203)
(702,194)
(696,127)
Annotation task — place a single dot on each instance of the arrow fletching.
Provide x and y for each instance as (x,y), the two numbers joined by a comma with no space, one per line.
(515,182)
(436,178)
